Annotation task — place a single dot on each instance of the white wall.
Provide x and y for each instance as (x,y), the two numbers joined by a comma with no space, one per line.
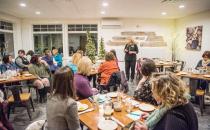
(16,30)
(163,28)
(192,57)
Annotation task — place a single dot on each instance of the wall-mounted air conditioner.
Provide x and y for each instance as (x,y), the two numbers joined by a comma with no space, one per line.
(111,23)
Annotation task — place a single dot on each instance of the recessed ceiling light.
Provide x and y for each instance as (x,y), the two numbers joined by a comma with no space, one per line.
(38,12)
(103,12)
(22,4)
(181,6)
(163,13)
(105,4)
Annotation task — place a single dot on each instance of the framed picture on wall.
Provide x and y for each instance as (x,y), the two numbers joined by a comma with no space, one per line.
(194,38)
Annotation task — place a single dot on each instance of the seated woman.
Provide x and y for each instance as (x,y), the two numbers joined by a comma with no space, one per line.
(4,122)
(203,64)
(29,54)
(175,111)
(50,61)
(7,64)
(40,68)
(57,57)
(143,90)
(75,59)
(83,88)
(62,111)
(107,68)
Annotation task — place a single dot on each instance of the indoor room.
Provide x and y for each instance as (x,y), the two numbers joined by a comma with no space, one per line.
(104,64)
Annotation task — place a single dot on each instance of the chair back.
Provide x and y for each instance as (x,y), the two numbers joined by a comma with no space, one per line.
(180,66)
(16,93)
(124,82)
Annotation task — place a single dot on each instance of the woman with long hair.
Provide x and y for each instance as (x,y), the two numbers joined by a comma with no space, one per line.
(61,107)
(40,69)
(175,111)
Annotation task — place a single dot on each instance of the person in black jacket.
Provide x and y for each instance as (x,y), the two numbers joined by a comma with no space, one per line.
(175,111)
(131,49)
(21,62)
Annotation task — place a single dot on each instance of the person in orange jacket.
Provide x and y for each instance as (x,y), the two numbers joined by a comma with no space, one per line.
(107,68)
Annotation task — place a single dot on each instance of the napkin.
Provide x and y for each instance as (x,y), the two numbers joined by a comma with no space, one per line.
(135,115)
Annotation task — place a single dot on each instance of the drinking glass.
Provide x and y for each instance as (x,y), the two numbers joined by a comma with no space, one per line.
(108,109)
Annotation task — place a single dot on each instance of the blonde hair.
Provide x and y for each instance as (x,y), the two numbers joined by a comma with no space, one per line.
(170,89)
(76,57)
(84,66)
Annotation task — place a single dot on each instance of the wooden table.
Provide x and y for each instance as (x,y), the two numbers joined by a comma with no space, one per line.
(193,75)
(15,79)
(18,79)
(90,119)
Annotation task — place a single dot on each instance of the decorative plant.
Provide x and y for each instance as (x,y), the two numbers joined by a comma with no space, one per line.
(90,47)
(101,49)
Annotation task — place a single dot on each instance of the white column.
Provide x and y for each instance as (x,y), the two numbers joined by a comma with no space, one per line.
(65,44)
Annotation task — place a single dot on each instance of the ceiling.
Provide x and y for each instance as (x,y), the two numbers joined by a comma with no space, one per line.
(73,9)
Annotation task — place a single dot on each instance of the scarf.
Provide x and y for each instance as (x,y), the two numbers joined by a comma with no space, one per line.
(205,63)
(157,115)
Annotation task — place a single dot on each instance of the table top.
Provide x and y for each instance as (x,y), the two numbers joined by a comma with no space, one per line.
(90,119)
(165,63)
(18,78)
(193,75)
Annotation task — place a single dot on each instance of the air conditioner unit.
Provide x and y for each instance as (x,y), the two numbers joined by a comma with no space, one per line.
(111,24)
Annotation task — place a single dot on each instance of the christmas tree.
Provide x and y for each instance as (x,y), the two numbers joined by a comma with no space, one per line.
(90,48)
(101,49)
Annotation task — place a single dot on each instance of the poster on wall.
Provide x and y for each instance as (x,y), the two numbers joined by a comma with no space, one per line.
(194,38)
(144,39)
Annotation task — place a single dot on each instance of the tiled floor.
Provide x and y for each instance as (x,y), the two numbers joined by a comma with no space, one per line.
(20,119)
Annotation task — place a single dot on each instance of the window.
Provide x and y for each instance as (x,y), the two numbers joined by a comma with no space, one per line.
(82,27)
(78,41)
(6,39)
(47,41)
(77,38)
(6,25)
(47,28)
(47,36)
(6,44)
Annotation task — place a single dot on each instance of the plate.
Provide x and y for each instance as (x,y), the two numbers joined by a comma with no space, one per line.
(81,107)
(3,79)
(27,75)
(107,125)
(112,94)
(183,73)
(208,76)
(146,107)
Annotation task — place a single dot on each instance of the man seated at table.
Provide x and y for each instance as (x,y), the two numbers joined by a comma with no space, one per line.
(50,61)
(21,62)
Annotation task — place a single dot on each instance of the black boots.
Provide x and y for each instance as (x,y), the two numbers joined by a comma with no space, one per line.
(42,95)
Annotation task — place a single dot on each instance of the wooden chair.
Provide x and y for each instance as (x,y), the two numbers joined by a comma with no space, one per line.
(19,100)
(200,93)
(112,85)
